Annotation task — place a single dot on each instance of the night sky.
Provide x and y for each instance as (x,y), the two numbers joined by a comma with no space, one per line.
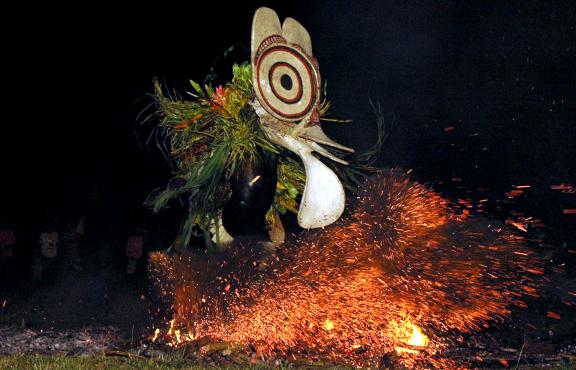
(479,91)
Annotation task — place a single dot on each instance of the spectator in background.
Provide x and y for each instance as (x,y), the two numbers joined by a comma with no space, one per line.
(48,243)
(134,247)
(7,246)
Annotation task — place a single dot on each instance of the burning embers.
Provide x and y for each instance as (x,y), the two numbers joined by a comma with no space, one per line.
(410,335)
(405,273)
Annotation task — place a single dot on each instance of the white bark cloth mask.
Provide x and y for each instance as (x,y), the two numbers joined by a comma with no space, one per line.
(286,80)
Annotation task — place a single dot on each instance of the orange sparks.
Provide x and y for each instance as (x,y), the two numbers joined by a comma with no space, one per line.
(503,362)
(553,315)
(514,193)
(564,188)
(520,226)
(535,271)
(404,273)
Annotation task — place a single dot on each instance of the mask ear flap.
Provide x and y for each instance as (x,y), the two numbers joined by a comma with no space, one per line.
(295,33)
(265,24)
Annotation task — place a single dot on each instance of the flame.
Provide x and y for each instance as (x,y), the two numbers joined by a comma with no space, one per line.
(172,323)
(156,335)
(417,338)
(328,325)
(410,334)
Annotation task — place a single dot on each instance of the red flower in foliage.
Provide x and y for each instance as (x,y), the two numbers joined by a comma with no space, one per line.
(219,98)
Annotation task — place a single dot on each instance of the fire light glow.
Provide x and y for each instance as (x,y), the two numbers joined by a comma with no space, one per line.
(328,325)
(406,272)
(412,335)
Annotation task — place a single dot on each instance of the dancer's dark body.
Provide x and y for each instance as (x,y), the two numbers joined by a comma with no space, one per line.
(253,189)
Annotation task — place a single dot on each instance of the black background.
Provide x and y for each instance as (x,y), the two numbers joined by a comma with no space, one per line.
(480,91)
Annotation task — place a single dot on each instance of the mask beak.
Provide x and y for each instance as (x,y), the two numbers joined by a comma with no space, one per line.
(313,132)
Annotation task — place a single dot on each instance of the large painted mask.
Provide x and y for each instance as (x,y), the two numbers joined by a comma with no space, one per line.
(286,81)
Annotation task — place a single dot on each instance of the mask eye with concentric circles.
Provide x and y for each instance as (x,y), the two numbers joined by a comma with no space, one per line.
(287,82)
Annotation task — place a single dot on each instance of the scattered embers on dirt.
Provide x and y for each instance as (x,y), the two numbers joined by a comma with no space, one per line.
(86,342)
(477,351)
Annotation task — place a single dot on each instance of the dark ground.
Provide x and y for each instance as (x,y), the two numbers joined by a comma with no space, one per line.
(101,295)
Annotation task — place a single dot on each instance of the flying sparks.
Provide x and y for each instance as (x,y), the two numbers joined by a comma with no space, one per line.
(401,274)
